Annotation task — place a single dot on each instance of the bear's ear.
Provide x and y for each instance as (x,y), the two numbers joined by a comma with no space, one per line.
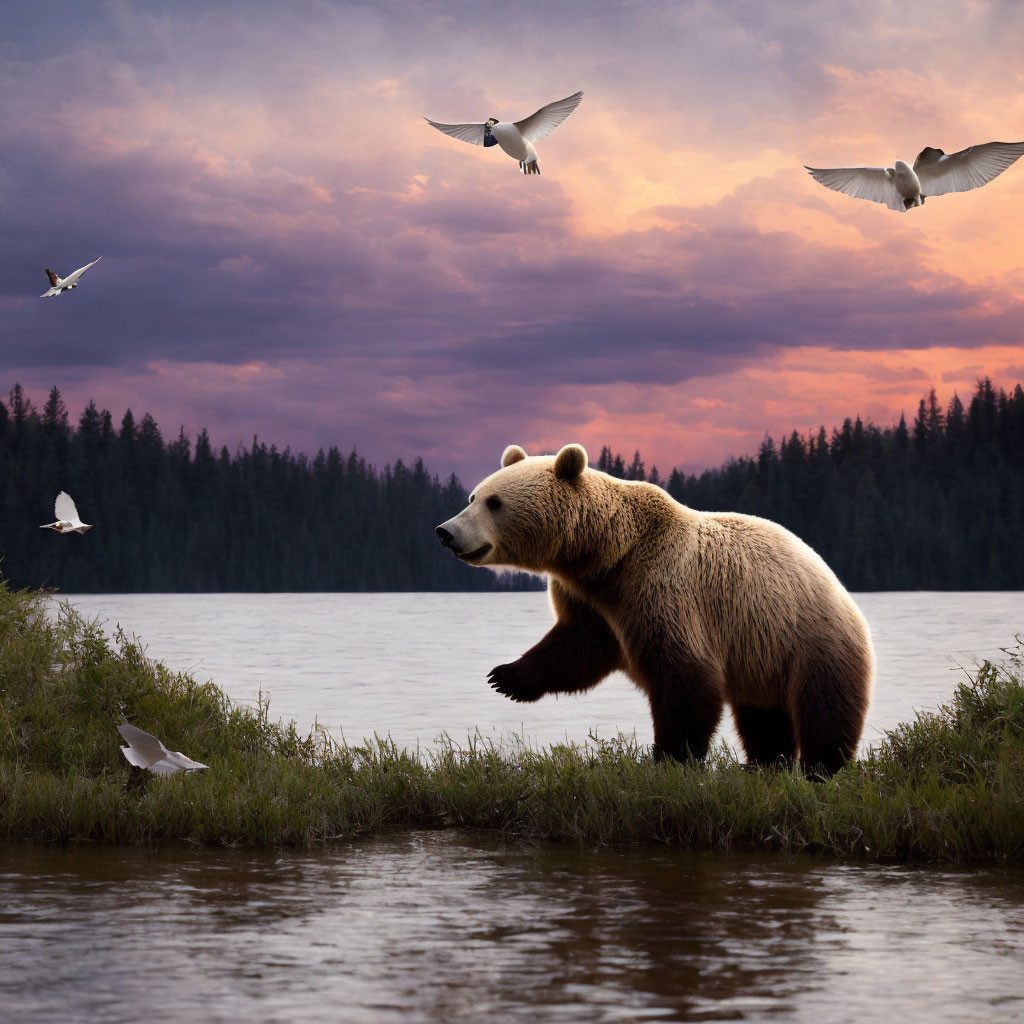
(513,453)
(570,461)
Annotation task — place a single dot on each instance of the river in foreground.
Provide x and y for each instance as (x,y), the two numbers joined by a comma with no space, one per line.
(429,927)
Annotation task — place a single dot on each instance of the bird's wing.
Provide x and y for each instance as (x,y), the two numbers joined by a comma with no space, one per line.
(541,124)
(871,183)
(973,167)
(73,277)
(134,757)
(175,761)
(142,745)
(64,508)
(473,133)
(179,760)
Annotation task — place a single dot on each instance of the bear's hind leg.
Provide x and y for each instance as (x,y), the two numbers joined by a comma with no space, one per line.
(828,747)
(766,733)
(829,716)
(822,758)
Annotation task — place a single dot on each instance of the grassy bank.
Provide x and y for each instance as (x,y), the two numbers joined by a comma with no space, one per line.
(946,787)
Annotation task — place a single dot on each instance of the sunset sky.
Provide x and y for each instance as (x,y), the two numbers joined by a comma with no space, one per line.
(290,250)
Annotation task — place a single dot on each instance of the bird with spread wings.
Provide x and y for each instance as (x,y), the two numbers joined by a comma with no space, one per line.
(65,284)
(935,173)
(517,138)
(67,516)
(144,750)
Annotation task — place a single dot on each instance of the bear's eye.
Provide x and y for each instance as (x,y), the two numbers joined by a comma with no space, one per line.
(472,498)
(494,503)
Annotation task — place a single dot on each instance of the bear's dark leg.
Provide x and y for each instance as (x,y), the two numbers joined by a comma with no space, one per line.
(767,734)
(567,660)
(829,714)
(575,654)
(686,706)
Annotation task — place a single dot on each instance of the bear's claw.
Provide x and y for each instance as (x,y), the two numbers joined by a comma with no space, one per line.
(509,682)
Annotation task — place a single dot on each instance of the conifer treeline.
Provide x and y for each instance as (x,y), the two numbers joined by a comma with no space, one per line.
(938,505)
(181,517)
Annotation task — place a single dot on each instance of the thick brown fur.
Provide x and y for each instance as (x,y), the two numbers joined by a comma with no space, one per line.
(699,609)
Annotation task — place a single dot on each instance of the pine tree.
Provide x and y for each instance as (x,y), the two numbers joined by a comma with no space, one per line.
(935,507)
(55,414)
(636,468)
(938,506)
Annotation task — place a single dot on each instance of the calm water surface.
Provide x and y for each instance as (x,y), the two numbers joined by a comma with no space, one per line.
(414,666)
(444,927)
(452,927)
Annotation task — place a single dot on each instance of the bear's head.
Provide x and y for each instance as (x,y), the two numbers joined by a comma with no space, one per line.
(528,515)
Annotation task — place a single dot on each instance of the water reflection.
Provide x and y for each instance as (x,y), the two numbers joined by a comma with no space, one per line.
(433,926)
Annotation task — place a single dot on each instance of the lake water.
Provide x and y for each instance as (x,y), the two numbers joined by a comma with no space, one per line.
(424,927)
(414,666)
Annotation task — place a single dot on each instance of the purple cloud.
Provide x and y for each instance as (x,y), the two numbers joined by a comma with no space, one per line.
(289,247)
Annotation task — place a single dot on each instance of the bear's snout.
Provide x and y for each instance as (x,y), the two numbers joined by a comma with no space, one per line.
(461,543)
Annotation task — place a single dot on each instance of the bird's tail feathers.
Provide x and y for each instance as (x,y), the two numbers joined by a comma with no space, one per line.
(529,167)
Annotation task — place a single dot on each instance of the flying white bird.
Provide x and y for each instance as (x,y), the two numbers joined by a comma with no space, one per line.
(934,174)
(517,138)
(67,516)
(62,284)
(145,751)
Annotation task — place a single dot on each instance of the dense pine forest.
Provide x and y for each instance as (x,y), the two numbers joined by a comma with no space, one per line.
(936,505)
(178,516)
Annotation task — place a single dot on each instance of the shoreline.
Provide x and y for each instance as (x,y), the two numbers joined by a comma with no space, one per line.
(947,787)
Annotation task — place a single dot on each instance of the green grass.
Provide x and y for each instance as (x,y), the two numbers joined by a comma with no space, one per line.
(948,786)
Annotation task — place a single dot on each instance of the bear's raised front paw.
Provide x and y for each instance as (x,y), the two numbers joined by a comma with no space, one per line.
(515,682)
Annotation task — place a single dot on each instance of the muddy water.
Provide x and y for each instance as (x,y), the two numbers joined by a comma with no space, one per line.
(448,927)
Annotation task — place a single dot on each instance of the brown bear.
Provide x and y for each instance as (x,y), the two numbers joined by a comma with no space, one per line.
(697,608)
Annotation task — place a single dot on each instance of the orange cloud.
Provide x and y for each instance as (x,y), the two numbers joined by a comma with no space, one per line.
(708,419)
